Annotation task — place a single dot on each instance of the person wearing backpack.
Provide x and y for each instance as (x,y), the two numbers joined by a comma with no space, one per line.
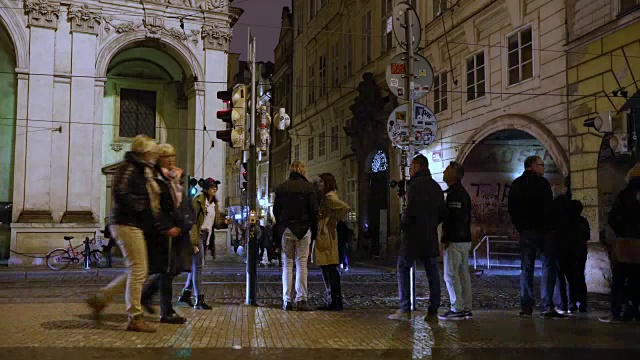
(624,220)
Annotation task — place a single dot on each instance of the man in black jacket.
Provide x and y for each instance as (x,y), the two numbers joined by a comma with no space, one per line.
(456,239)
(296,211)
(530,206)
(425,210)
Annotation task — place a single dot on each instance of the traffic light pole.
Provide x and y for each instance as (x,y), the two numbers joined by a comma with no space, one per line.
(251,241)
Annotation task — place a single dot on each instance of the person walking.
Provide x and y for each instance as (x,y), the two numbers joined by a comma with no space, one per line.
(561,235)
(326,248)
(111,242)
(425,210)
(168,256)
(207,216)
(136,208)
(530,208)
(296,211)
(456,240)
(624,220)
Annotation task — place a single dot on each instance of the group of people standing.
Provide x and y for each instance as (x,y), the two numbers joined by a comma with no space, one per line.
(160,232)
(307,215)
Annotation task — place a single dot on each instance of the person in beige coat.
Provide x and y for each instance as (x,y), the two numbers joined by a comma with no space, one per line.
(325,248)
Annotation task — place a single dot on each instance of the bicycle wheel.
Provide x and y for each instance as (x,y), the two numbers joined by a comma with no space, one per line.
(58,259)
(98,259)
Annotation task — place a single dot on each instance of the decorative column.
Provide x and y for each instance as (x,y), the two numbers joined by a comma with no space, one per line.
(43,21)
(216,38)
(84,152)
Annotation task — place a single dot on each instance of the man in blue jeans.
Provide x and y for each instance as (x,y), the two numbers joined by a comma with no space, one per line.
(425,210)
(532,212)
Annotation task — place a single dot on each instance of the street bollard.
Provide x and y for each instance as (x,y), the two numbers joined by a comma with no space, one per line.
(86,254)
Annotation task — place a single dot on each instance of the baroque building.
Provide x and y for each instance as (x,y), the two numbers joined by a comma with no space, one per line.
(78,80)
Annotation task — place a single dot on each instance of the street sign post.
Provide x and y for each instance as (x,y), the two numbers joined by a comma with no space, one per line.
(397,74)
(403,15)
(420,133)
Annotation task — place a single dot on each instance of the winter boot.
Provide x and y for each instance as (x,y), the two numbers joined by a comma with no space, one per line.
(185,297)
(139,325)
(200,304)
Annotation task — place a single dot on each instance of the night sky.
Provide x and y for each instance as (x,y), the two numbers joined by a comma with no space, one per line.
(263,16)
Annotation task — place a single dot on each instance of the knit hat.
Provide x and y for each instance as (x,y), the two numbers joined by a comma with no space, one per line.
(142,144)
(166,150)
(209,182)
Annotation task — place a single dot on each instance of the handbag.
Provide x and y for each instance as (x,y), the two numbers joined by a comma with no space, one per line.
(627,250)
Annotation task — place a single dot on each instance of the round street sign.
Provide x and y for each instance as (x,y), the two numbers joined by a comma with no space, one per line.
(422,76)
(424,129)
(399,23)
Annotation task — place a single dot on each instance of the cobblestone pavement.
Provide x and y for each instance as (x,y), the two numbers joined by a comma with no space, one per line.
(364,288)
(64,330)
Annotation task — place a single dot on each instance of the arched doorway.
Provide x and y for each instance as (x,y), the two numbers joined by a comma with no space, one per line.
(8,92)
(490,168)
(147,91)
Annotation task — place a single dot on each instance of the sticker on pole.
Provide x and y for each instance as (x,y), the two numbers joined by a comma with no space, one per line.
(421,135)
(422,78)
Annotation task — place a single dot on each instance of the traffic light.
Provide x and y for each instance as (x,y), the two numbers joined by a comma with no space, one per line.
(243,176)
(193,182)
(234,115)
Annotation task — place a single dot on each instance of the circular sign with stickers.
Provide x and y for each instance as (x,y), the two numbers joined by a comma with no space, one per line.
(420,135)
(397,76)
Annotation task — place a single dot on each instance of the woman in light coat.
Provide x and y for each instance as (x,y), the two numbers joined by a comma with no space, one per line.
(325,248)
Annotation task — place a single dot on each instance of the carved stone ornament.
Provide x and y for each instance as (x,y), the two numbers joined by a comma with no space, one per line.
(216,38)
(84,19)
(117,147)
(209,5)
(42,13)
(154,26)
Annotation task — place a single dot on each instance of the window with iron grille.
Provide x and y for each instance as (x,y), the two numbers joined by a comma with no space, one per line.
(137,113)
(366,38)
(628,5)
(439,7)
(312,85)
(335,57)
(440,92)
(323,76)
(387,27)
(348,58)
(299,93)
(322,144)
(475,76)
(310,148)
(520,56)
(335,140)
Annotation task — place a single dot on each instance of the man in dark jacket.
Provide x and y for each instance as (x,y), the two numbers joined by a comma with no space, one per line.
(456,239)
(296,211)
(530,207)
(425,210)
(624,220)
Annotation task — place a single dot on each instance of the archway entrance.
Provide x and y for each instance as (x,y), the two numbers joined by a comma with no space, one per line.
(147,92)
(8,86)
(490,168)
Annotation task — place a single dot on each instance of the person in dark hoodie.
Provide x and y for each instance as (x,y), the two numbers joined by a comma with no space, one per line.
(530,207)
(624,219)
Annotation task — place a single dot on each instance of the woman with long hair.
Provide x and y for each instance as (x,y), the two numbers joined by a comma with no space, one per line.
(325,248)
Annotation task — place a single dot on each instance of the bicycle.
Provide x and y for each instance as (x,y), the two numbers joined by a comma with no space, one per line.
(60,258)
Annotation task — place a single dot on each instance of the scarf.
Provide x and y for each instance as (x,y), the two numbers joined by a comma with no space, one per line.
(152,188)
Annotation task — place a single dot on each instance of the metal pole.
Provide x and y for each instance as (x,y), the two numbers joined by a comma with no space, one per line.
(409,86)
(251,173)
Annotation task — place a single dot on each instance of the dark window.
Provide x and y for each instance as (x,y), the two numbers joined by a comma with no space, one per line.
(137,113)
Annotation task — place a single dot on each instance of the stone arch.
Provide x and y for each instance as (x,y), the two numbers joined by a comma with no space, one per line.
(523,123)
(17,30)
(182,53)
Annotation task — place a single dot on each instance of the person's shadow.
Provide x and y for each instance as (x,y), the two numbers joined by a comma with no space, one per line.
(85,321)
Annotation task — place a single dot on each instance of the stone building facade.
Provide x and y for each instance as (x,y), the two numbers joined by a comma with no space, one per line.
(79,80)
(499,95)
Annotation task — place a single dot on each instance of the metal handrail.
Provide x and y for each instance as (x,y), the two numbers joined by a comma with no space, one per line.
(487,239)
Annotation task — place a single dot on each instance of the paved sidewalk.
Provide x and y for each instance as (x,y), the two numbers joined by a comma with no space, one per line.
(60,330)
